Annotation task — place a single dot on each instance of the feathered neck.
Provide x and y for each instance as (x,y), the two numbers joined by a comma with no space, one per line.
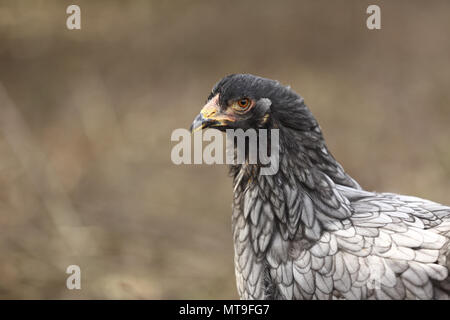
(303,154)
(302,195)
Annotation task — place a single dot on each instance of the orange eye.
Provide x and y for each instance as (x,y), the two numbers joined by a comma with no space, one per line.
(243,103)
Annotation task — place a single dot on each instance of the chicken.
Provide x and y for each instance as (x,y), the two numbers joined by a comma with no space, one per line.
(310,231)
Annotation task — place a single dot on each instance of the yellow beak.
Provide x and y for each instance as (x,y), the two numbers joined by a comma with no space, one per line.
(211,116)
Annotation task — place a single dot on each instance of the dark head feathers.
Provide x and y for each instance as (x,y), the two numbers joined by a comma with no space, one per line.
(236,86)
(300,134)
(286,105)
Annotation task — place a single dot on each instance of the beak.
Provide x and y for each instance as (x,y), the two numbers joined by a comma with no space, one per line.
(200,123)
(211,116)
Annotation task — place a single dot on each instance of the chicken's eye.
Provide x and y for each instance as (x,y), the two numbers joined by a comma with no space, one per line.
(243,103)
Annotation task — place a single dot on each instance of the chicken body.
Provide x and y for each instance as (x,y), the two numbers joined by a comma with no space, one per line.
(309,231)
(374,246)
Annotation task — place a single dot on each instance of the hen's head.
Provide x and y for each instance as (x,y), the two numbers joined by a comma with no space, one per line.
(244,101)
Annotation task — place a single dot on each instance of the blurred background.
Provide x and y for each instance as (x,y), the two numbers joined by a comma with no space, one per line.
(86,118)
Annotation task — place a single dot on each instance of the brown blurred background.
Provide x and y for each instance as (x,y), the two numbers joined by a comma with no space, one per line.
(86,118)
